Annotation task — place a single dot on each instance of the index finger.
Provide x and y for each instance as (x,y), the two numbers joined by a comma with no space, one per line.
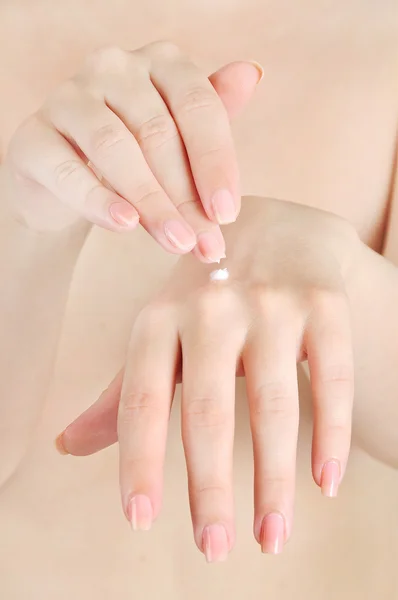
(193,101)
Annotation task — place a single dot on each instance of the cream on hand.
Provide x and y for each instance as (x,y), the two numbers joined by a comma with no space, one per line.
(219,275)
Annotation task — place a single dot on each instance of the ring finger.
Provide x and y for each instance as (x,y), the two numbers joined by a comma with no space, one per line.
(269,360)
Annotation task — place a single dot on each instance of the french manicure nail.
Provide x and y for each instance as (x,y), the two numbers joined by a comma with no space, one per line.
(141,513)
(215,543)
(210,247)
(180,235)
(124,214)
(330,478)
(272,533)
(259,69)
(224,207)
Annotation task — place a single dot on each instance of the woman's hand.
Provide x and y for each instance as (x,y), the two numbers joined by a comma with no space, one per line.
(284,302)
(139,136)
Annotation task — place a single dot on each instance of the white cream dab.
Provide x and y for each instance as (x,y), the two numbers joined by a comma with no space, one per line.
(219,275)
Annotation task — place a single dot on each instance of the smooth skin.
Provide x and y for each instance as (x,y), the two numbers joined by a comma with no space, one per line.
(51,198)
(92,120)
(285,302)
(119,144)
(315,186)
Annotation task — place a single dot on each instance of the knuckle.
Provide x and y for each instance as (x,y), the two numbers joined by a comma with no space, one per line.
(164,49)
(339,375)
(136,405)
(268,300)
(206,304)
(147,193)
(274,398)
(205,413)
(212,488)
(94,196)
(106,138)
(153,315)
(107,57)
(155,311)
(213,301)
(276,484)
(68,170)
(186,206)
(325,299)
(210,156)
(339,430)
(197,99)
(156,131)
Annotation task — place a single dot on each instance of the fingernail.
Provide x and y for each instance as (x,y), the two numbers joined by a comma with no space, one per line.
(59,444)
(224,207)
(272,533)
(330,478)
(259,69)
(124,214)
(141,513)
(210,247)
(180,235)
(215,543)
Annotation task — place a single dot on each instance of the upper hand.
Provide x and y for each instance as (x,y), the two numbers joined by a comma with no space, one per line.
(139,136)
(284,302)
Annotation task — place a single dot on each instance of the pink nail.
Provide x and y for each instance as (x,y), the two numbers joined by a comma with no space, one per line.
(330,478)
(259,68)
(124,214)
(60,445)
(272,533)
(141,513)
(215,543)
(224,207)
(180,235)
(210,247)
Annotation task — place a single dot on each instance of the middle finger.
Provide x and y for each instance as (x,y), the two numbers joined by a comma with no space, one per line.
(191,100)
(140,106)
(208,393)
(270,366)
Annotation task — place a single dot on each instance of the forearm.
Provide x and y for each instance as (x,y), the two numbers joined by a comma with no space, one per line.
(373,294)
(36,271)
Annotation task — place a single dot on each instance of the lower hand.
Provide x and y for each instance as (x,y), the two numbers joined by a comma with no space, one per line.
(283,303)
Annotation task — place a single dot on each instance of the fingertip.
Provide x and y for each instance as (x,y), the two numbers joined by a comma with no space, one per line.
(235,83)
(124,214)
(210,247)
(179,235)
(60,444)
(330,478)
(259,71)
(215,543)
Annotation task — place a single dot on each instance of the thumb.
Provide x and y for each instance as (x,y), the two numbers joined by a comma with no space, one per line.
(235,83)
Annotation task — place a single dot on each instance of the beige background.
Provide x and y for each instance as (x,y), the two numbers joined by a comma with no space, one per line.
(321,130)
